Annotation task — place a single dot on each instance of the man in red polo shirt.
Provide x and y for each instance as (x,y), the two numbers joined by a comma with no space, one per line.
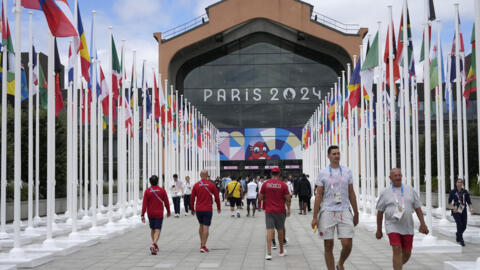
(154,199)
(201,197)
(276,197)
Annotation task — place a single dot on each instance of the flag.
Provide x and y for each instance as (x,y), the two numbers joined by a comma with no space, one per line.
(157,98)
(354,86)
(84,55)
(71,64)
(331,111)
(116,71)
(367,71)
(433,69)
(35,72)
(43,88)
(58,14)
(386,57)
(24,85)
(471,83)
(431,11)
(431,17)
(148,109)
(8,43)
(453,71)
(58,94)
(104,92)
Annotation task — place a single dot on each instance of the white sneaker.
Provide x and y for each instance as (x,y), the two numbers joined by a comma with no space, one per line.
(268,257)
(186,214)
(283,254)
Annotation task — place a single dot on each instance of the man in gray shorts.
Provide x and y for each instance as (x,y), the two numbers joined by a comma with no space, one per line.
(335,189)
(275,196)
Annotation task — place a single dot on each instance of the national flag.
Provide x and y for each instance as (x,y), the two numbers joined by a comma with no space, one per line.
(431,17)
(8,43)
(331,111)
(84,54)
(43,88)
(116,71)
(471,83)
(148,100)
(24,85)
(396,69)
(71,64)
(453,71)
(354,86)
(158,106)
(59,105)
(434,81)
(35,89)
(367,71)
(104,92)
(58,14)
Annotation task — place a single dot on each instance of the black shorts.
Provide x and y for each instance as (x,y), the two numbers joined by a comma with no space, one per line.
(204,218)
(304,199)
(155,223)
(235,201)
(275,221)
(252,202)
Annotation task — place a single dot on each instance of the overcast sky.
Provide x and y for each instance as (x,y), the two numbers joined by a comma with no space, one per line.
(136,21)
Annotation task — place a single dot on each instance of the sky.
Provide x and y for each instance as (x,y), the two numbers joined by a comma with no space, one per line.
(136,21)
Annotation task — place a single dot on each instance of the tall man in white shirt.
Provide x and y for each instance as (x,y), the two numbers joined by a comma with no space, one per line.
(335,190)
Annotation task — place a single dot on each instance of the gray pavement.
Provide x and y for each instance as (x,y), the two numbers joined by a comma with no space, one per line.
(239,243)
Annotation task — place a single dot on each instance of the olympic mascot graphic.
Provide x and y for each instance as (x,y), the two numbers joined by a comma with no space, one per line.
(259,151)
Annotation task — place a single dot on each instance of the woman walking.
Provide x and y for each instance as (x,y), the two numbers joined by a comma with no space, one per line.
(458,199)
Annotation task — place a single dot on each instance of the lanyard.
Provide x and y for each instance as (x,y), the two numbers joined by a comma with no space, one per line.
(463,197)
(154,193)
(331,176)
(396,196)
(203,185)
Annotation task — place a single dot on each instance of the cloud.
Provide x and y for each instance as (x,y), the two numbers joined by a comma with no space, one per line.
(137,10)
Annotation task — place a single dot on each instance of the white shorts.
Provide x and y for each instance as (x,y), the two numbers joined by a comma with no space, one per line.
(343,221)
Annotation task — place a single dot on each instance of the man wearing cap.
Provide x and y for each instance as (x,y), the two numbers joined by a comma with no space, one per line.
(335,190)
(276,197)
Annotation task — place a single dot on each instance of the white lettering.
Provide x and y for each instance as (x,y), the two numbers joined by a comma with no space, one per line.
(272,185)
(207,93)
(289,94)
(304,92)
(221,94)
(235,95)
(257,96)
(246,94)
(318,94)
(274,93)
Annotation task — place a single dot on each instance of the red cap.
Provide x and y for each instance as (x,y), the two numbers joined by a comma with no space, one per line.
(275,170)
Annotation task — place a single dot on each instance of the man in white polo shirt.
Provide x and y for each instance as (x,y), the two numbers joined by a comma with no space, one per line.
(335,190)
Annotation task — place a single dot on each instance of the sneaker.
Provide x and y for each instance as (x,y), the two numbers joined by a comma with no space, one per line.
(274,246)
(283,254)
(186,214)
(153,249)
(247,215)
(204,249)
(232,215)
(285,242)
(238,215)
(268,257)
(462,243)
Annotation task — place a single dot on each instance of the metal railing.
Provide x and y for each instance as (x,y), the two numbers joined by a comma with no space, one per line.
(178,30)
(334,24)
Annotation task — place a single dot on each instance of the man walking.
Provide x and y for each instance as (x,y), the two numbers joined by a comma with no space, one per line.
(304,194)
(187,191)
(335,190)
(276,198)
(202,194)
(398,204)
(235,194)
(176,191)
(252,191)
(154,199)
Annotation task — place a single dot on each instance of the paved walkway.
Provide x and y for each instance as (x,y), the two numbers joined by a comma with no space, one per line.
(239,244)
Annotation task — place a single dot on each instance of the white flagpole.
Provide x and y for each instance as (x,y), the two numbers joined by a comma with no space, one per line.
(380,127)
(393,121)
(428,134)
(144,132)
(50,140)
(406,95)
(136,181)
(110,135)
(3,200)
(464,120)
(100,155)
(459,95)
(450,124)
(477,70)
(37,147)
(17,251)
(30,126)
(93,134)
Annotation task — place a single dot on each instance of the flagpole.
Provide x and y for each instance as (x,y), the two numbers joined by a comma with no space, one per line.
(110,135)
(464,120)
(392,92)
(406,95)
(3,200)
(450,123)
(87,111)
(37,147)
(136,162)
(428,134)
(459,96)
(74,180)
(477,70)
(379,129)
(93,135)
(30,126)
(17,251)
